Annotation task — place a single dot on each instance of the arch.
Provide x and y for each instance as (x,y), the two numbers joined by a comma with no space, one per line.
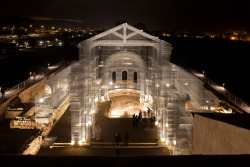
(135,77)
(124,76)
(114,77)
(47,89)
(125,54)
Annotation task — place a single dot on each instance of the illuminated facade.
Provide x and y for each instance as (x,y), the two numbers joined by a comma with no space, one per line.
(125,60)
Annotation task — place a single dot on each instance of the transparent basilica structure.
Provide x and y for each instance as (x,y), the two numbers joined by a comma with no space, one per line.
(125,61)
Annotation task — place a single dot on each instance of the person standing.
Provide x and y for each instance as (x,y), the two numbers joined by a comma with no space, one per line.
(148,113)
(126,139)
(117,138)
(140,116)
(134,120)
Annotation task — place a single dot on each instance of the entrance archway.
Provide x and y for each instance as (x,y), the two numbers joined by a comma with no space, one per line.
(124,75)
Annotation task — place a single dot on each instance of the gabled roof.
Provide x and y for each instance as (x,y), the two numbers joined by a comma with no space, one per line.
(123,33)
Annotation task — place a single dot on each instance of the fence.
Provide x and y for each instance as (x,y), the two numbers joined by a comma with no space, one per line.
(30,81)
(220,89)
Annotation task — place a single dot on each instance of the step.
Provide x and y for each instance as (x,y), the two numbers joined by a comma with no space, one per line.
(108,145)
(122,144)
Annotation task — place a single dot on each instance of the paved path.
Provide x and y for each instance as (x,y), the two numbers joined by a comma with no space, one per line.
(145,132)
(80,151)
(26,84)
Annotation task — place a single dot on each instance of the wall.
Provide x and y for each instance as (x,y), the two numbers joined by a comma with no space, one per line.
(27,94)
(32,91)
(216,137)
(4,105)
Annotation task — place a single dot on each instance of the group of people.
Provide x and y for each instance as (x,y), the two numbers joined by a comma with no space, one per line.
(119,139)
(137,119)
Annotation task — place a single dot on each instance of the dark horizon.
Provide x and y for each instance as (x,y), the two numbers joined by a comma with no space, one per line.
(192,15)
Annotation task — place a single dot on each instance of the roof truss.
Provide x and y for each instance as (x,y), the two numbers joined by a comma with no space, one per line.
(121,32)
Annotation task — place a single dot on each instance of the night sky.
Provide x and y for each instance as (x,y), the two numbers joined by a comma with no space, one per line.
(186,15)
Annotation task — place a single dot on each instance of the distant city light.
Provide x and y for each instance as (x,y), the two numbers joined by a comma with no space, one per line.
(233,38)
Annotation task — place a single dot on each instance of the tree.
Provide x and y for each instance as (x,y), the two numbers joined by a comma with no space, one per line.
(141,26)
(120,22)
(18,22)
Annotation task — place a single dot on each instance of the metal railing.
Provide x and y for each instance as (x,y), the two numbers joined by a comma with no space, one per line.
(30,81)
(220,89)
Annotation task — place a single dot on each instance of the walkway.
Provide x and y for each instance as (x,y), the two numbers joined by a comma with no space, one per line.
(242,105)
(27,83)
(143,139)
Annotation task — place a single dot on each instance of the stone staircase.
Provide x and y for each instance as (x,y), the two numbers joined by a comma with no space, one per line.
(122,145)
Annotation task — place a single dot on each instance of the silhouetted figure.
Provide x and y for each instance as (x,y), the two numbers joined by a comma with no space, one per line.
(148,113)
(134,121)
(140,116)
(126,138)
(153,119)
(117,138)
